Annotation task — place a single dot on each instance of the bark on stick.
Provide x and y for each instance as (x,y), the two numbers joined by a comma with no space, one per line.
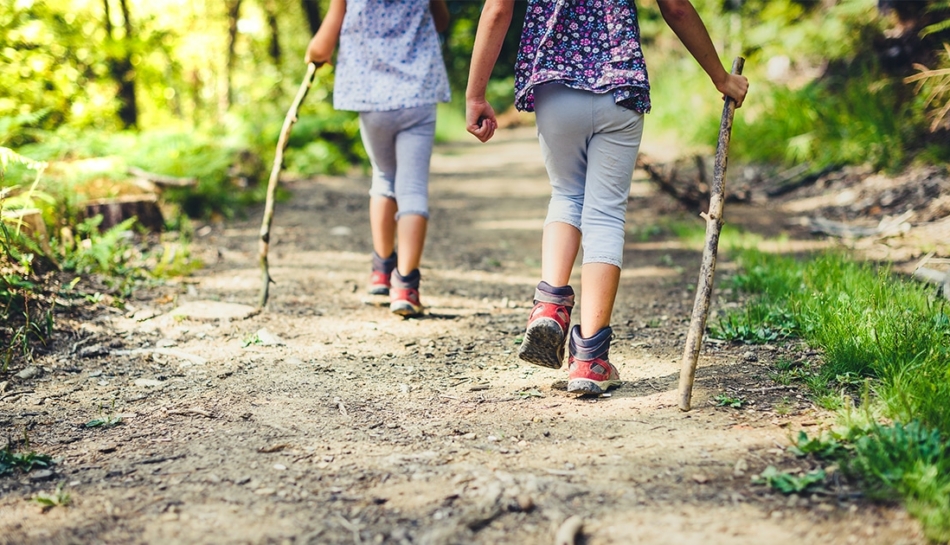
(289,121)
(697,323)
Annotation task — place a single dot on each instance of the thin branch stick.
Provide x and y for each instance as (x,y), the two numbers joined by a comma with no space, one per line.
(289,121)
(697,323)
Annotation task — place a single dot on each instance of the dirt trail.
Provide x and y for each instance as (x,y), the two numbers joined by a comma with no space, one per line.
(367,428)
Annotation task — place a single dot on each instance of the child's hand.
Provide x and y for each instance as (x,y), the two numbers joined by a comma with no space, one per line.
(480,119)
(735,87)
(314,54)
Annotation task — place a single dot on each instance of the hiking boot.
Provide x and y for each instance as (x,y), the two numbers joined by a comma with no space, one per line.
(589,372)
(548,322)
(379,279)
(404,294)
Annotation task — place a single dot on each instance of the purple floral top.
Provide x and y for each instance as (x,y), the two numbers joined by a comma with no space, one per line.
(591,45)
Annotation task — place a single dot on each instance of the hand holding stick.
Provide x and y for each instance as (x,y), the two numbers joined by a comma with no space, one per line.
(282,142)
(697,324)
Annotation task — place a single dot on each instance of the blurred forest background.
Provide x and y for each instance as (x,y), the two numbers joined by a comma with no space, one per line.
(105,101)
(199,88)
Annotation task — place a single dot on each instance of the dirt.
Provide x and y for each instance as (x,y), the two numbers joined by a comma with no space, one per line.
(342,423)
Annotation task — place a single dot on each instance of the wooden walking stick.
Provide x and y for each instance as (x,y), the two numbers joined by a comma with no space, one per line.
(289,121)
(697,323)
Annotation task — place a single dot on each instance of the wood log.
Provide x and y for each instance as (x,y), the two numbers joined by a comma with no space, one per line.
(162,180)
(115,211)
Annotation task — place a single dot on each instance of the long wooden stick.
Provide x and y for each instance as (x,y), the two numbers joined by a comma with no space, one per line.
(697,323)
(272,183)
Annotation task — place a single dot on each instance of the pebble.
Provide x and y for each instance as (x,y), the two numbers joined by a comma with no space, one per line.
(42,475)
(147,383)
(471,435)
(29,372)
(280,467)
(265,491)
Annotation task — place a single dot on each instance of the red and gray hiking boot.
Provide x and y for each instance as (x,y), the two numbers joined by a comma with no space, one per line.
(379,283)
(589,372)
(404,294)
(379,279)
(548,322)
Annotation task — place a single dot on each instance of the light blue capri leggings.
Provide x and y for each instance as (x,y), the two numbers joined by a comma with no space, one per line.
(590,146)
(399,145)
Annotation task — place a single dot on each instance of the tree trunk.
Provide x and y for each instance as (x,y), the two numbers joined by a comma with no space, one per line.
(234,13)
(120,67)
(270,10)
(311,9)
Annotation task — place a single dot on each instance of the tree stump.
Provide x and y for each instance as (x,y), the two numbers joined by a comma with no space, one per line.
(115,211)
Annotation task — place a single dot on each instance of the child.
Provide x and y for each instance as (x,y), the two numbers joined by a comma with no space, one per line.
(390,70)
(581,69)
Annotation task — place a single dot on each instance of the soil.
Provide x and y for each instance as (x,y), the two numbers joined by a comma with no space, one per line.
(342,423)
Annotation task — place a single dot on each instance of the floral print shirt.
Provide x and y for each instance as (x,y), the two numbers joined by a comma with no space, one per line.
(591,45)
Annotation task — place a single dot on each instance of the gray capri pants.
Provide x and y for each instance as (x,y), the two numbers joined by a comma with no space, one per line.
(590,146)
(399,145)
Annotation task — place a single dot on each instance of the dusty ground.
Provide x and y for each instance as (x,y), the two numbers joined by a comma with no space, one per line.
(363,427)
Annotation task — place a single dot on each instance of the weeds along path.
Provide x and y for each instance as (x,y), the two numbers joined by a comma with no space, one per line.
(351,425)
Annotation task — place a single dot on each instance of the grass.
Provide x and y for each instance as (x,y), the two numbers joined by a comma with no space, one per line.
(886,348)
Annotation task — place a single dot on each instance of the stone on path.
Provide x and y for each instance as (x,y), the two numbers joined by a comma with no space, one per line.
(214,310)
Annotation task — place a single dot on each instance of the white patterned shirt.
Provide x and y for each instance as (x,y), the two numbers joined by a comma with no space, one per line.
(389,57)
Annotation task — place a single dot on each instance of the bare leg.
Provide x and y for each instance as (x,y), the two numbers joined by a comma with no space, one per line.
(382,221)
(599,283)
(411,230)
(559,245)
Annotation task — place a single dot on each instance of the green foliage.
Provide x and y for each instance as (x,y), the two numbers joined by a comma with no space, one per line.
(59,498)
(22,461)
(879,335)
(787,482)
(724,400)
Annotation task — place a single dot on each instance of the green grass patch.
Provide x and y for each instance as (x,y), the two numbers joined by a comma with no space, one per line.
(884,340)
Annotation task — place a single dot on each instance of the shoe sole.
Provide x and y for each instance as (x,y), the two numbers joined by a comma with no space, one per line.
(543,345)
(586,386)
(406,310)
(378,290)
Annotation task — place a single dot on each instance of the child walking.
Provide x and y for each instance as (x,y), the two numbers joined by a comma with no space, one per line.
(580,68)
(390,70)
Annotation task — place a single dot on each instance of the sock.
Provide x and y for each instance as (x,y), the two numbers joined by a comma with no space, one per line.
(563,291)
(384,265)
(411,280)
(595,346)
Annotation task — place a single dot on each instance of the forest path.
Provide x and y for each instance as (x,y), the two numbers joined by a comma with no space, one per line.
(362,427)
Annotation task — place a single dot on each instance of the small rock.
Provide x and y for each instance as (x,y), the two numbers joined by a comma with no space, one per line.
(740,468)
(93,351)
(29,372)
(147,383)
(280,467)
(293,361)
(470,436)
(214,310)
(165,343)
(265,491)
(525,502)
(700,478)
(42,475)
(341,231)
(266,338)
(750,356)
(492,439)
(107,448)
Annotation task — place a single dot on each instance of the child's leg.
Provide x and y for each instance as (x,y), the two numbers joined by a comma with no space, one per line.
(382,223)
(413,146)
(564,125)
(612,153)
(378,132)
(564,128)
